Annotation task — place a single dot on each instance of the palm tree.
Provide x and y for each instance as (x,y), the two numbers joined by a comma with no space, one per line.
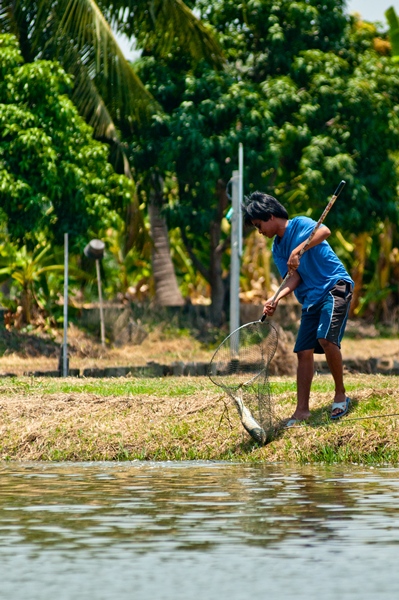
(107,92)
(27,270)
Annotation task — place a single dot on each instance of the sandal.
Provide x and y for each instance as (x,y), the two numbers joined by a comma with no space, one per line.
(343,407)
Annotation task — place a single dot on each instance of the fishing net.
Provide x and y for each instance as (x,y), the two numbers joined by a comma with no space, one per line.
(240,367)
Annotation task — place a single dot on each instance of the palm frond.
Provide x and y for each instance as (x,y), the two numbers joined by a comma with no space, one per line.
(76,33)
(89,36)
(162,26)
(175,25)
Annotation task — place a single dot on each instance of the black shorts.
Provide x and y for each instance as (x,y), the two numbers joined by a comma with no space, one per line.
(326,319)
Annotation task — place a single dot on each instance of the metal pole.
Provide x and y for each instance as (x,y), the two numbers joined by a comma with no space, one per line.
(65,341)
(100,297)
(240,194)
(235,259)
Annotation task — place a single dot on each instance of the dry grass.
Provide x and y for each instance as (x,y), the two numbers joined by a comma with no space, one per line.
(113,423)
(86,353)
(187,418)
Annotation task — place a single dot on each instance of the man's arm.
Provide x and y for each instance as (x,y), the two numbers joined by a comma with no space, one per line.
(290,285)
(321,234)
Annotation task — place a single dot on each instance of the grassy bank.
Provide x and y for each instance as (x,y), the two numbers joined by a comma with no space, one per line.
(189,418)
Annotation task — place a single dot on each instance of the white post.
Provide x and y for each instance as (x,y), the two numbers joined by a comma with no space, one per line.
(65,341)
(240,194)
(235,258)
(100,298)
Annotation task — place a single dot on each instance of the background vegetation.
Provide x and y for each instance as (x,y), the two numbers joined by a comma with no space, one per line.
(141,155)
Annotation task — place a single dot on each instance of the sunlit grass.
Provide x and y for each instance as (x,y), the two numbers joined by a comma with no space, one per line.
(189,418)
(105,387)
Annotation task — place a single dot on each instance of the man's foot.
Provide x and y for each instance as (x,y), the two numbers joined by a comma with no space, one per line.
(339,409)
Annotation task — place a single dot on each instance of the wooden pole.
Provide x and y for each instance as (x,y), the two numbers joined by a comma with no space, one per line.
(100,298)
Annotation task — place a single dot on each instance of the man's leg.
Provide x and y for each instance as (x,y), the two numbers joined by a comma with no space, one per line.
(334,361)
(305,371)
(329,334)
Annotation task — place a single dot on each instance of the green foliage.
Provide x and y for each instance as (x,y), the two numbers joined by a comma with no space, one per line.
(106,90)
(262,37)
(198,140)
(307,95)
(304,90)
(54,178)
(27,275)
(77,33)
(393,31)
(344,125)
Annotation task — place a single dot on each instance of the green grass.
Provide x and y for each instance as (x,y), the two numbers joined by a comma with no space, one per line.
(103,387)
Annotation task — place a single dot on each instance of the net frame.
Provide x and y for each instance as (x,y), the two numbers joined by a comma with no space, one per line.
(240,367)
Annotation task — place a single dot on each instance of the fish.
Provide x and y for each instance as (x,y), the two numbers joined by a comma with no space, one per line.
(249,423)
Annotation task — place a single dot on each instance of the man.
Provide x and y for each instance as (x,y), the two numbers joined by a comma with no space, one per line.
(320,283)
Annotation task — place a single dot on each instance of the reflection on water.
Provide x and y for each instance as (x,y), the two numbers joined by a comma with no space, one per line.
(197,530)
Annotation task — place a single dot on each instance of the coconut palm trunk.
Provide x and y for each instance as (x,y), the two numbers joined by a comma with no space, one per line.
(167,291)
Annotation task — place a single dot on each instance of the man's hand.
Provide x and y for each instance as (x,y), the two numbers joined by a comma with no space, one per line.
(293,261)
(269,307)
(289,286)
(320,235)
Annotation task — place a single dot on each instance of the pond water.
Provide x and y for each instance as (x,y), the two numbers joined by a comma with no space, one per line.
(201,530)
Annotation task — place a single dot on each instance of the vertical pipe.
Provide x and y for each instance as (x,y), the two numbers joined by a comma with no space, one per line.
(235,260)
(65,341)
(240,195)
(100,297)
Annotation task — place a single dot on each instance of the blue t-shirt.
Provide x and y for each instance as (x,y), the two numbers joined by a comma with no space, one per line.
(319,268)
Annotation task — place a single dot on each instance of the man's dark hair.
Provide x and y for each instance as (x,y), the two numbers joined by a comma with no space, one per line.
(260,206)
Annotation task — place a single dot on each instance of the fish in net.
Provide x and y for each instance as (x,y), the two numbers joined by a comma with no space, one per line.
(240,367)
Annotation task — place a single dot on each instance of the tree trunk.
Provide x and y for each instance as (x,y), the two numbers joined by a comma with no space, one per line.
(216,282)
(214,274)
(218,288)
(26,305)
(166,289)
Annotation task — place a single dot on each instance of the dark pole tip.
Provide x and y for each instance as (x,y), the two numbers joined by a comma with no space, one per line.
(339,188)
